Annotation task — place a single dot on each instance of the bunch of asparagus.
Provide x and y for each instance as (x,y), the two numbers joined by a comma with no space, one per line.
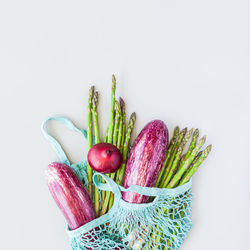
(116,134)
(179,167)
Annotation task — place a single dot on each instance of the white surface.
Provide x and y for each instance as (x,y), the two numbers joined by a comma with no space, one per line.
(186,62)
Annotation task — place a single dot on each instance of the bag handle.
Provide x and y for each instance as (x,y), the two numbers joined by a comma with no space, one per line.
(54,143)
(110,185)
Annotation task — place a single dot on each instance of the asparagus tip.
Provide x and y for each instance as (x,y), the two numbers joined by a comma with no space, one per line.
(190,132)
(196,132)
(122,103)
(203,139)
(92,88)
(95,97)
(117,106)
(199,154)
(177,128)
(133,116)
(184,131)
(208,149)
(113,79)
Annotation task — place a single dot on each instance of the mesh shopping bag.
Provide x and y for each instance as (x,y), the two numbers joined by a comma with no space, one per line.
(161,224)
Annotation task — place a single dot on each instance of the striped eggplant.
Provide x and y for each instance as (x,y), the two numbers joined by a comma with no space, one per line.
(146,159)
(70,195)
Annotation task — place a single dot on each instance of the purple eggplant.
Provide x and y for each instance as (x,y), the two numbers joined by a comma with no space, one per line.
(146,159)
(70,195)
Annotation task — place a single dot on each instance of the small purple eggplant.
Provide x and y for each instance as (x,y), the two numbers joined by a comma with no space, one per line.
(146,159)
(70,195)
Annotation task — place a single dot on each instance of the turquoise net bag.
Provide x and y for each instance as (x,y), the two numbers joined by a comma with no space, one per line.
(161,224)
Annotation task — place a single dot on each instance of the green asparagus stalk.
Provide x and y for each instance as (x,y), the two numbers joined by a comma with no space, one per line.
(95,117)
(111,121)
(121,134)
(170,148)
(121,170)
(195,164)
(97,140)
(172,157)
(182,159)
(106,135)
(193,142)
(89,133)
(110,127)
(115,135)
(188,161)
(117,120)
(122,103)
(188,136)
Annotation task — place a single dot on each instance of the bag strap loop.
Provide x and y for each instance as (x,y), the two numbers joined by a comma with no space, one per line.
(54,143)
(110,185)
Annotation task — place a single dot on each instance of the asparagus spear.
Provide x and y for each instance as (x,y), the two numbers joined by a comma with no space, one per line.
(106,135)
(188,161)
(111,124)
(95,117)
(121,170)
(97,140)
(117,120)
(121,134)
(172,157)
(193,142)
(121,137)
(170,148)
(116,131)
(89,133)
(122,103)
(187,136)
(195,164)
(182,159)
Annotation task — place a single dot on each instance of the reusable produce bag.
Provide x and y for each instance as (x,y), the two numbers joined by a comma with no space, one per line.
(161,224)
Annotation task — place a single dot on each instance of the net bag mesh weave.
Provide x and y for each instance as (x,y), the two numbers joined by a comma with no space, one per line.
(161,224)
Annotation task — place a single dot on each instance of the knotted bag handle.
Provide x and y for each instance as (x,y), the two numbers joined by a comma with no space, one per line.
(53,142)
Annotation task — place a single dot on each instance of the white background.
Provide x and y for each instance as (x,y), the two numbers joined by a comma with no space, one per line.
(185,62)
